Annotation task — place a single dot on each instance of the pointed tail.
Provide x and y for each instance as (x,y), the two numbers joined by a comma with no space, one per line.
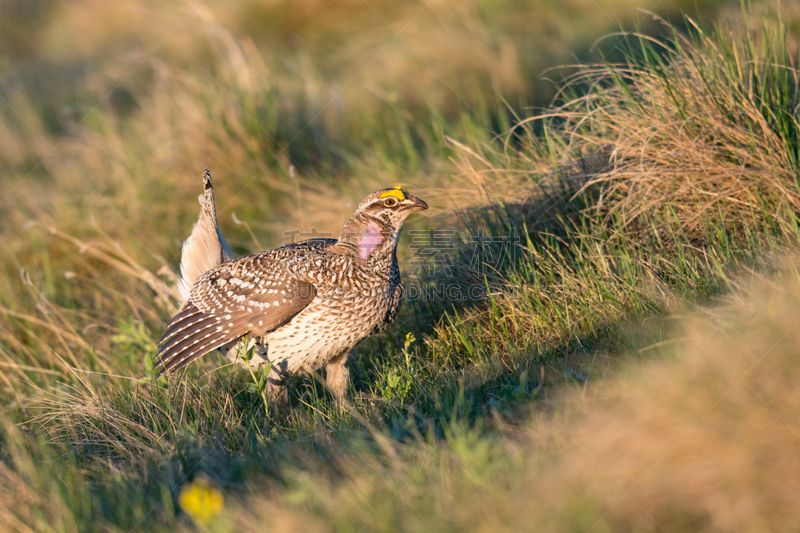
(206,247)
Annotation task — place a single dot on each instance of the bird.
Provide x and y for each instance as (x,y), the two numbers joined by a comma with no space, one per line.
(299,307)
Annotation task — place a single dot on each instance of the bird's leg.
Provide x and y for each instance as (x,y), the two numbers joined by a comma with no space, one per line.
(338,377)
(276,390)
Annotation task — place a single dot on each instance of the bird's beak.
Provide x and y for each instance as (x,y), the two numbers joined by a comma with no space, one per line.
(416,204)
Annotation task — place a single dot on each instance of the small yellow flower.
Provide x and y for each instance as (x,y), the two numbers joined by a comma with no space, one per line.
(410,339)
(201,501)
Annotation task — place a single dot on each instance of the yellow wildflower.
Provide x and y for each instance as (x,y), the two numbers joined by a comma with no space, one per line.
(201,501)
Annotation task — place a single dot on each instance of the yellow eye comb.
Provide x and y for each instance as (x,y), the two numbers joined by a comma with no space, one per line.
(396,192)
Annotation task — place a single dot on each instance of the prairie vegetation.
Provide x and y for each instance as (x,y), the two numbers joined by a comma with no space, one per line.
(609,335)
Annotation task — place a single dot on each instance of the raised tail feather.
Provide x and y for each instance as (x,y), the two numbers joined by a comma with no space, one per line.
(206,247)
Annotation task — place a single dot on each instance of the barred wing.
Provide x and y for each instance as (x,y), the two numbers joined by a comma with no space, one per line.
(250,296)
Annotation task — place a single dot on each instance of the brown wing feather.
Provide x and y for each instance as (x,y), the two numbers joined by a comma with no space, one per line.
(252,295)
(191,333)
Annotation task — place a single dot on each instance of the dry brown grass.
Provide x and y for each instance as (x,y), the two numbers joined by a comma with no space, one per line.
(707,442)
(681,143)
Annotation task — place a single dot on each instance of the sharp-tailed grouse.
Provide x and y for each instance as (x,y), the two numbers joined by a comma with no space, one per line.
(302,306)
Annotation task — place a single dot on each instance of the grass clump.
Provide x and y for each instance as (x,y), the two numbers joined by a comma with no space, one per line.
(689,135)
(654,182)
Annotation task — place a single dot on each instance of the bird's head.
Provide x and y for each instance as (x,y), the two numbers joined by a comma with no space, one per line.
(379,219)
(390,206)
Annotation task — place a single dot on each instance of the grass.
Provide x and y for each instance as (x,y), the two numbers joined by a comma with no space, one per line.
(629,453)
(627,363)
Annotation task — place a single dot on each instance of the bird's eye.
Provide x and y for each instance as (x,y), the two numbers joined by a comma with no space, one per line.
(390,202)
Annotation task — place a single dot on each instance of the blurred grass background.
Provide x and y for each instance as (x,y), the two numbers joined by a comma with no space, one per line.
(632,366)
